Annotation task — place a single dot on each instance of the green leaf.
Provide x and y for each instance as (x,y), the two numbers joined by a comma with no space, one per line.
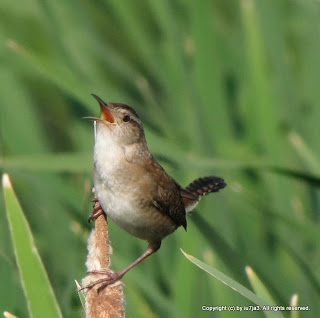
(8,315)
(231,283)
(81,294)
(293,303)
(260,289)
(38,291)
(313,180)
(305,153)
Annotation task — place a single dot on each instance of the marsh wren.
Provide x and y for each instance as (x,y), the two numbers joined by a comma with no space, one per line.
(132,188)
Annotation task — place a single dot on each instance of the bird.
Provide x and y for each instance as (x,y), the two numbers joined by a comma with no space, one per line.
(132,188)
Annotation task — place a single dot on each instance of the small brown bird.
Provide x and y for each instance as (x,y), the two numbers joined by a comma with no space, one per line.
(131,186)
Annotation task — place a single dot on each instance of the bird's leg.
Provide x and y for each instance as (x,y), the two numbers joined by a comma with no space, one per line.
(97,210)
(114,277)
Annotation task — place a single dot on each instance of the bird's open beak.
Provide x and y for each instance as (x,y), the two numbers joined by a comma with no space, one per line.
(105,115)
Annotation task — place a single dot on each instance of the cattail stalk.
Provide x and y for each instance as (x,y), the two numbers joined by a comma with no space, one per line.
(105,302)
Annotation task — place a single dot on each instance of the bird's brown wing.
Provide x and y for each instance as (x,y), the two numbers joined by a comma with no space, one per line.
(169,201)
(166,195)
(176,213)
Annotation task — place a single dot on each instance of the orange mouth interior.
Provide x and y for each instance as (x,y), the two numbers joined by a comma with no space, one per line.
(106,115)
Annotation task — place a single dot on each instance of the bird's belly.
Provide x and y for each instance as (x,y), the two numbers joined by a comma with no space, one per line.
(146,223)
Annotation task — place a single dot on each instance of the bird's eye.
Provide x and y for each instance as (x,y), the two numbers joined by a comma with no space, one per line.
(126,118)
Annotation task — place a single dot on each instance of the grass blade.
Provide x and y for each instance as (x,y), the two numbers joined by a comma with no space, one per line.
(313,180)
(8,315)
(293,303)
(305,152)
(230,282)
(260,289)
(80,294)
(38,291)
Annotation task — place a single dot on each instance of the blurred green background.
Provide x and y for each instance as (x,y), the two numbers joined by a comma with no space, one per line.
(229,88)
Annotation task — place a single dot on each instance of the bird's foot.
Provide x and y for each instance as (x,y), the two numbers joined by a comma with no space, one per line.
(97,210)
(95,199)
(111,279)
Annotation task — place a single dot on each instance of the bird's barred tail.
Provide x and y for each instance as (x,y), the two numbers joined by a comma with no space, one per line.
(205,185)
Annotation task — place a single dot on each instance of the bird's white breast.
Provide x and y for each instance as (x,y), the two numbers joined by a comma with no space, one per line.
(113,182)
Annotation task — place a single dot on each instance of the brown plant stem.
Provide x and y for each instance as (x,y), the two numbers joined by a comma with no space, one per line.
(105,302)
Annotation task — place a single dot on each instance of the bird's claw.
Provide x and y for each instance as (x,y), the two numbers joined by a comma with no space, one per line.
(97,210)
(111,279)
